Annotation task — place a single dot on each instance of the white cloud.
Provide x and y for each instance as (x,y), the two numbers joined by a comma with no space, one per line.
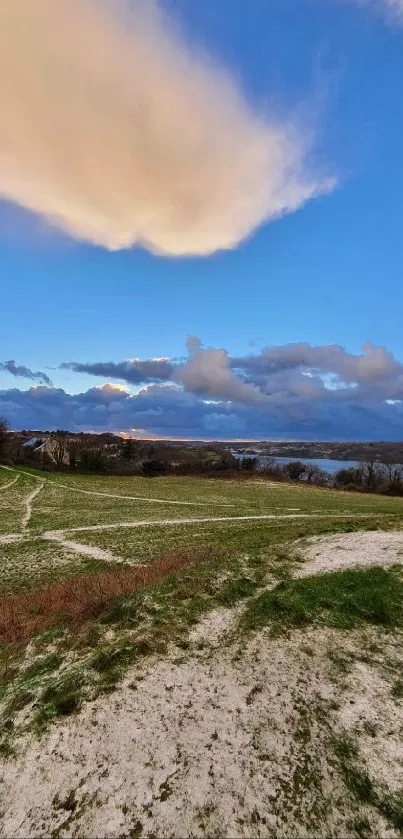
(395,6)
(113,130)
(208,372)
(392,8)
(111,388)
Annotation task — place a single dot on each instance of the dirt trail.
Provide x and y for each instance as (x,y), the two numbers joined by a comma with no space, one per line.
(61,536)
(201,520)
(139,497)
(28,503)
(9,538)
(10,484)
(85,550)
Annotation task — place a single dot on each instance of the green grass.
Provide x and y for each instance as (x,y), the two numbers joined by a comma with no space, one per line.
(360,826)
(144,544)
(12,506)
(37,563)
(391,807)
(343,600)
(60,698)
(58,505)
(43,665)
(356,778)
(111,663)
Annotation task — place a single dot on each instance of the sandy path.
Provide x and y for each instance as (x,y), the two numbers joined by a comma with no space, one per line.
(28,503)
(9,538)
(85,550)
(61,536)
(10,484)
(93,528)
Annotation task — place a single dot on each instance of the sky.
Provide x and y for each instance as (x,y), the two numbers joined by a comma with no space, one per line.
(200,217)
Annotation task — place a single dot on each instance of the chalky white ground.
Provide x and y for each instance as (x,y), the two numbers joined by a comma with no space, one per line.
(205,744)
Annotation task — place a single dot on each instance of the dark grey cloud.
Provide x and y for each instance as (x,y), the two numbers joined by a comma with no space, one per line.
(170,411)
(24,372)
(295,390)
(134,371)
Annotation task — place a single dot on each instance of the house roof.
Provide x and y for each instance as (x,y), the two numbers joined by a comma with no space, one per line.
(34,443)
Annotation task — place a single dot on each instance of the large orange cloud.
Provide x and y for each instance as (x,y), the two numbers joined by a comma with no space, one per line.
(116,132)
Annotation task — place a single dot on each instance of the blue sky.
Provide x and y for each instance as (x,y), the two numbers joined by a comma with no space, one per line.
(327,274)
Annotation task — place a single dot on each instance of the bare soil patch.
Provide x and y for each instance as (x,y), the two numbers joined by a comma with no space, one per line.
(227,742)
(344,550)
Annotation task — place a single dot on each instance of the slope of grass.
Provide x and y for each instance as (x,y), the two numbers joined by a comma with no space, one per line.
(343,600)
(59,505)
(145,543)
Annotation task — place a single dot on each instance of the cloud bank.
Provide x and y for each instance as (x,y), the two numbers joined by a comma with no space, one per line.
(297,391)
(114,130)
(24,372)
(274,374)
(134,371)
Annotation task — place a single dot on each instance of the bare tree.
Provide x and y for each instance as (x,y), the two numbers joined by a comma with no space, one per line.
(4,429)
(74,448)
(316,475)
(371,472)
(393,472)
(59,448)
(128,449)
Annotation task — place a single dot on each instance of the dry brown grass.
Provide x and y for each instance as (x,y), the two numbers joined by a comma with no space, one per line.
(81,599)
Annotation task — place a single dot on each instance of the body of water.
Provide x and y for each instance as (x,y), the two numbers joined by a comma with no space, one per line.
(331,466)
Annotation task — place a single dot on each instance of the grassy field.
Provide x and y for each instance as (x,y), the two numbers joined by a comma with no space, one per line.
(140,520)
(97,574)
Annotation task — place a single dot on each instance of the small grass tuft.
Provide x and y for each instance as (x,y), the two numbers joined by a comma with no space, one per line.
(397,689)
(43,665)
(360,826)
(392,810)
(61,698)
(361,786)
(236,589)
(111,663)
(355,777)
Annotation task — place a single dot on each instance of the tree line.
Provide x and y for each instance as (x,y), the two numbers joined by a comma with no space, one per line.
(368,476)
(109,454)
